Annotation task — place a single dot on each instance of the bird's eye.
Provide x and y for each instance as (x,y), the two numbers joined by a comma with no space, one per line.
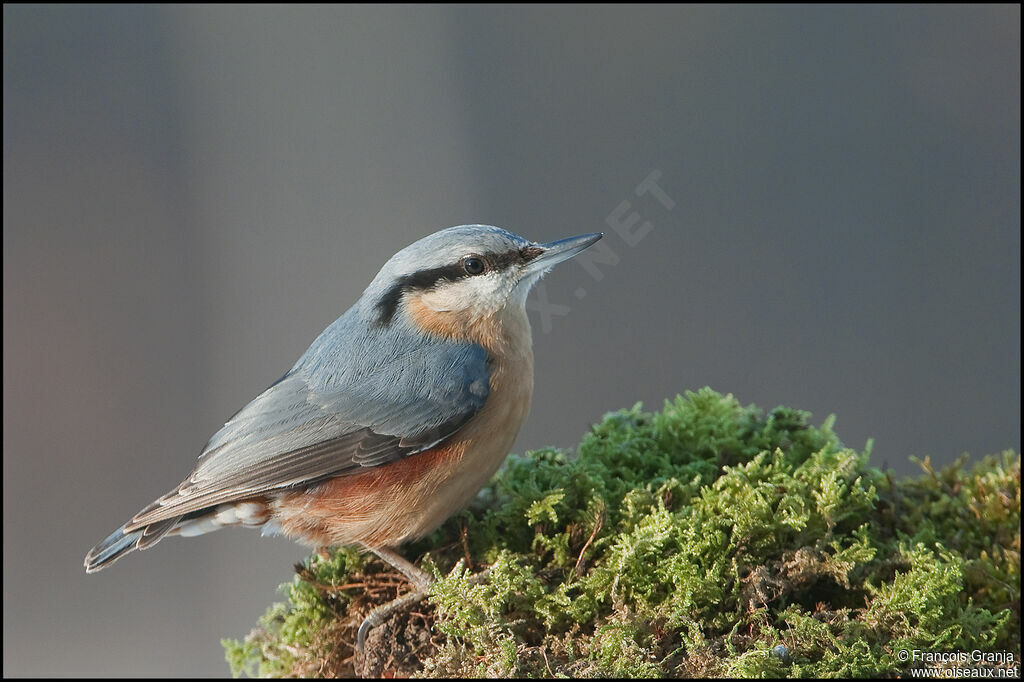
(473,266)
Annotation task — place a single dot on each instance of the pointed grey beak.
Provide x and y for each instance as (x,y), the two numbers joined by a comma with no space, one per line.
(557,251)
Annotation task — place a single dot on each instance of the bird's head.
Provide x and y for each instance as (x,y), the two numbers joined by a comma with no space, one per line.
(462,276)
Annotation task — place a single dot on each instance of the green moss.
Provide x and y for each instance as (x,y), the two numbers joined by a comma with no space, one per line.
(709,539)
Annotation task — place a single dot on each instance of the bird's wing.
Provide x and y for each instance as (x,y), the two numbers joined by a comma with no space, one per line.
(329,416)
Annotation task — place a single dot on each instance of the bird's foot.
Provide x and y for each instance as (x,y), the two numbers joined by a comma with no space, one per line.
(421,581)
(380,614)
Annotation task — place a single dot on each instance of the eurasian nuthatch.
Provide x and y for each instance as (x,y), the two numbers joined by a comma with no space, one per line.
(392,420)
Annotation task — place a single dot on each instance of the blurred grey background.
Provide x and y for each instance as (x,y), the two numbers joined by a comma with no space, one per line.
(831,220)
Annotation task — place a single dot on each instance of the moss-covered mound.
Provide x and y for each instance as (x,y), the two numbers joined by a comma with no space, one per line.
(709,539)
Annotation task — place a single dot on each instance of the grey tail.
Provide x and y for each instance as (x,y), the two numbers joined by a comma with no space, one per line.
(119,543)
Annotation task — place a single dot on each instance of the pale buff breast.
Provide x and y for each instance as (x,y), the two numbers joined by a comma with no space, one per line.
(404,500)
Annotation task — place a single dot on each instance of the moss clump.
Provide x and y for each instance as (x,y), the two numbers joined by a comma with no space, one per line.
(709,539)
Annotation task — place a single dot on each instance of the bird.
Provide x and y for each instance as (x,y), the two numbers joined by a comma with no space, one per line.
(392,420)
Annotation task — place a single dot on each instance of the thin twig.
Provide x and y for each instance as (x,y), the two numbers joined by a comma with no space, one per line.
(546,664)
(597,527)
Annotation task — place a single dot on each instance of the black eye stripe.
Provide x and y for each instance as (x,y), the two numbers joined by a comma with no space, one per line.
(423,280)
(500,261)
(428,279)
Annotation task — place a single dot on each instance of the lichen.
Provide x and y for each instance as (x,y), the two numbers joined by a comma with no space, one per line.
(708,539)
